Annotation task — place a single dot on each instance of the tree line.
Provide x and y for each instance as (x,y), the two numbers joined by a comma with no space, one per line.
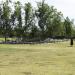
(26,22)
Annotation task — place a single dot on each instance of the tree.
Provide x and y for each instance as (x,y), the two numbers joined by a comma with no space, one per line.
(57,24)
(6,19)
(68,27)
(18,18)
(54,22)
(49,20)
(29,17)
(42,14)
(1,24)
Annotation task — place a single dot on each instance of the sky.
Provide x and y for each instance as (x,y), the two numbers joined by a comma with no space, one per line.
(67,7)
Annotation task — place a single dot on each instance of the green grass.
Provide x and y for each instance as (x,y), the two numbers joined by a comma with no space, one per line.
(40,59)
(3,39)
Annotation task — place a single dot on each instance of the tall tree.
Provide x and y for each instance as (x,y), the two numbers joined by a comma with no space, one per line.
(28,18)
(42,14)
(18,17)
(6,19)
(68,27)
(49,20)
(1,20)
(57,23)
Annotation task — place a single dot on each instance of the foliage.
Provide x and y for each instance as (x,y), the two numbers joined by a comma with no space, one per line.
(42,22)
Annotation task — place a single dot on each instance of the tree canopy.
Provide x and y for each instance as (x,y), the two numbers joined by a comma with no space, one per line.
(42,22)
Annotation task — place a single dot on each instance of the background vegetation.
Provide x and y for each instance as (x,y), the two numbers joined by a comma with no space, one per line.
(25,22)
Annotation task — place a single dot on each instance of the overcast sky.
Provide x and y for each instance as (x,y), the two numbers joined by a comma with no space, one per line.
(67,7)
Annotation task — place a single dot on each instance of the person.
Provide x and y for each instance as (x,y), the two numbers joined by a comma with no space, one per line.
(71,43)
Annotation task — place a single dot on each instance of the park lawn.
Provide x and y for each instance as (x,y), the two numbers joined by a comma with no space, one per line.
(38,59)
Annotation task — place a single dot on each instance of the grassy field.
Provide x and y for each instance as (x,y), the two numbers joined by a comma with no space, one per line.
(40,59)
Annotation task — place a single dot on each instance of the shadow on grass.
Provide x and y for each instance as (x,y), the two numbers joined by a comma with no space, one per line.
(70,46)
